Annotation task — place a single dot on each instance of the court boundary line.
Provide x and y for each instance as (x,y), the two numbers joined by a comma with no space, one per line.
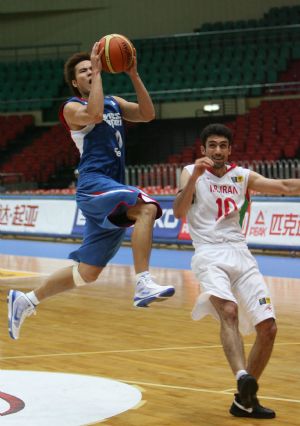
(203,390)
(120,351)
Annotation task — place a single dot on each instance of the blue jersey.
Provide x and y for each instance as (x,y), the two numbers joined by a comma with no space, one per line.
(101,145)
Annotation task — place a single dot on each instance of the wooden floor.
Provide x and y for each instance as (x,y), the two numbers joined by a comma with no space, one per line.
(178,363)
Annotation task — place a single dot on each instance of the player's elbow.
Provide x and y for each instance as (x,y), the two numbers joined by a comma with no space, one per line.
(149,116)
(179,215)
(93,115)
(97,117)
(178,212)
(152,116)
(286,189)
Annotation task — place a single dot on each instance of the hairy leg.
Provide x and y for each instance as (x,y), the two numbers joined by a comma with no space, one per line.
(230,336)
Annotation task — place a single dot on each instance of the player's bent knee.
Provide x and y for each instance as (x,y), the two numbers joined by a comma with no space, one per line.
(273,331)
(149,210)
(229,311)
(77,278)
(142,211)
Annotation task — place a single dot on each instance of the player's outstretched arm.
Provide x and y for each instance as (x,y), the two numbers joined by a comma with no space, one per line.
(264,185)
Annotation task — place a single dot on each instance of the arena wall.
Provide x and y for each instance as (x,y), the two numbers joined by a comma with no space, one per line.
(39,22)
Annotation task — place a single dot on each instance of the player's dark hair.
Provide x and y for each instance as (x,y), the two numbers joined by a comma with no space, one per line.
(69,69)
(216,129)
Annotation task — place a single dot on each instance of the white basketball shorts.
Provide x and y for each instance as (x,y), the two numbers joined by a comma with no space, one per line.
(230,272)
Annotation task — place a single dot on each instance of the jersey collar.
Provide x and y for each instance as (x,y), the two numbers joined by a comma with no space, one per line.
(229,167)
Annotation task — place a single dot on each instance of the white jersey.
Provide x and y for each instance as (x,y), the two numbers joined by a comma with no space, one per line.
(215,213)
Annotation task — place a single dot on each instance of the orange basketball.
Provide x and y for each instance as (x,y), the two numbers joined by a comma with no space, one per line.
(118,53)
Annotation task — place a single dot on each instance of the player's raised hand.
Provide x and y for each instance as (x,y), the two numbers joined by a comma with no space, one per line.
(96,54)
(201,164)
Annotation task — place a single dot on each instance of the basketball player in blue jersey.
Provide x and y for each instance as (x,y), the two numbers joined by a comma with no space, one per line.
(96,126)
(212,194)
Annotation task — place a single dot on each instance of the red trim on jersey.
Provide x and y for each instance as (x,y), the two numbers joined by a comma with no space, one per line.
(61,114)
(231,166)
(247,196)
(62,118)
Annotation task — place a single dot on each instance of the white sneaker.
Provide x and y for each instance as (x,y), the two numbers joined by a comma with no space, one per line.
(19,307)
(147,291)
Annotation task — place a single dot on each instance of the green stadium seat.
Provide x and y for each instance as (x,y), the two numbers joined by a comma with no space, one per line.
(272,76)
(296,51)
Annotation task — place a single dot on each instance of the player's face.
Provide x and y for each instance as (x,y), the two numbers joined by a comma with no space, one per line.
(217,148)
(83,77)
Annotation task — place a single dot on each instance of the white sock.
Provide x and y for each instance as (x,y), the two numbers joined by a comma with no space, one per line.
(140,275)
(240,373)
(32,297)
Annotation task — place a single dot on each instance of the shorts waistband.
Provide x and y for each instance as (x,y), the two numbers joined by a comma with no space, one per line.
(239,245)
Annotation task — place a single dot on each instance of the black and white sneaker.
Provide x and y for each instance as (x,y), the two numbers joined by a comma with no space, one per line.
(257,411)
(247,387)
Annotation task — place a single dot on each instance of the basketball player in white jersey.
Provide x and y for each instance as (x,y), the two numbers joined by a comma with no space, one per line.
(212,194)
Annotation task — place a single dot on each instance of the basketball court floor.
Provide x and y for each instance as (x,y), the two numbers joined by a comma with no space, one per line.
(89,357)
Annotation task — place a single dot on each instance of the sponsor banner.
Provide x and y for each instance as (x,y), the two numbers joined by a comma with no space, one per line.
(37,216)
(184,234)
(269,223)
(273,224)
(78,224)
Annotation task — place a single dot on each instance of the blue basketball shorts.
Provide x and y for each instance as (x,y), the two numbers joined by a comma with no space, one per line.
(106,222)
